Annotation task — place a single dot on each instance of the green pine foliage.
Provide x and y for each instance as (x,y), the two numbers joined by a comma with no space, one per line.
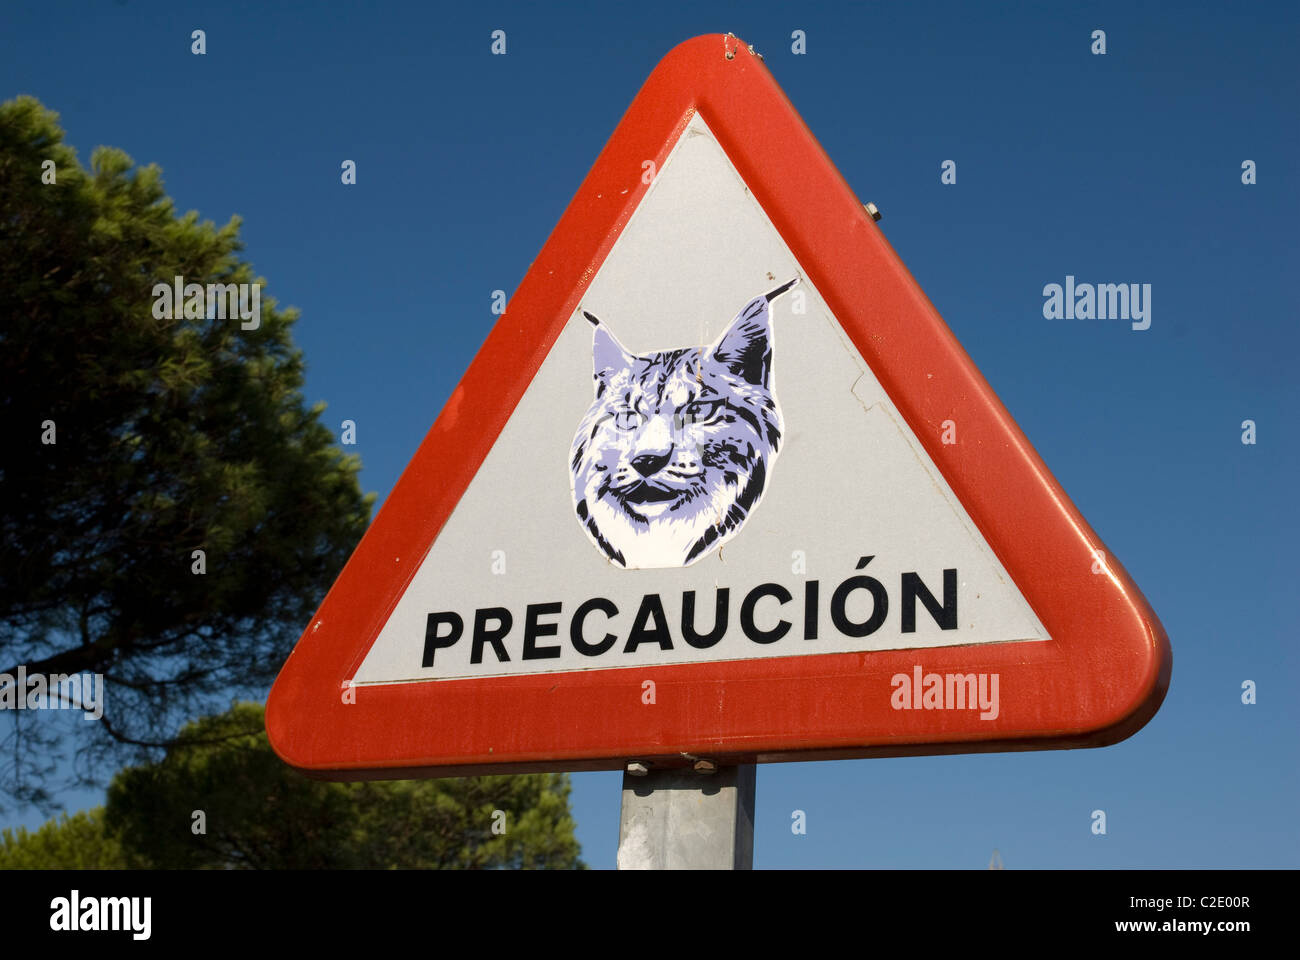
(258,813)
(79,842)
(172,435)
(227,802)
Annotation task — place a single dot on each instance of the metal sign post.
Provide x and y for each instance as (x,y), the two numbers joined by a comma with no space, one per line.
(687,819)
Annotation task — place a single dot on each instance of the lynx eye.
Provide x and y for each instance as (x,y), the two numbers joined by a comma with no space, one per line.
(702,411)
(627,419)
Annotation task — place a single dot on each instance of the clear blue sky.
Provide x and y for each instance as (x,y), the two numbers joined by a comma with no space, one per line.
(1123,167)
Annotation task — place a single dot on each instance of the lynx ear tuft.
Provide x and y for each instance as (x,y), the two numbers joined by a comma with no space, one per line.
(780,290)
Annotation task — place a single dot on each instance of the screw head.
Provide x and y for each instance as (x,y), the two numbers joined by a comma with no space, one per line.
(638,769)
(706,766)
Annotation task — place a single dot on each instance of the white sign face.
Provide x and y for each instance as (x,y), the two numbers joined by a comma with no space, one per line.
(703,469)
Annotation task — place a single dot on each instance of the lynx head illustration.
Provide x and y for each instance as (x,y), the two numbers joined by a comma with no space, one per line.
(678,445)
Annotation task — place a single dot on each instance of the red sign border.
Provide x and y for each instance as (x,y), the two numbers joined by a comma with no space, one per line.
(1101,677)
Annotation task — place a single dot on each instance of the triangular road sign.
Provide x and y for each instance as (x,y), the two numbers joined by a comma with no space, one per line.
(720,484)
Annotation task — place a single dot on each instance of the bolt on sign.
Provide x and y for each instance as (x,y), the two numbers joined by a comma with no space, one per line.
(721,483)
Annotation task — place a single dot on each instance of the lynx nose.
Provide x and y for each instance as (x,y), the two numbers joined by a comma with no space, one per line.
(649,464)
